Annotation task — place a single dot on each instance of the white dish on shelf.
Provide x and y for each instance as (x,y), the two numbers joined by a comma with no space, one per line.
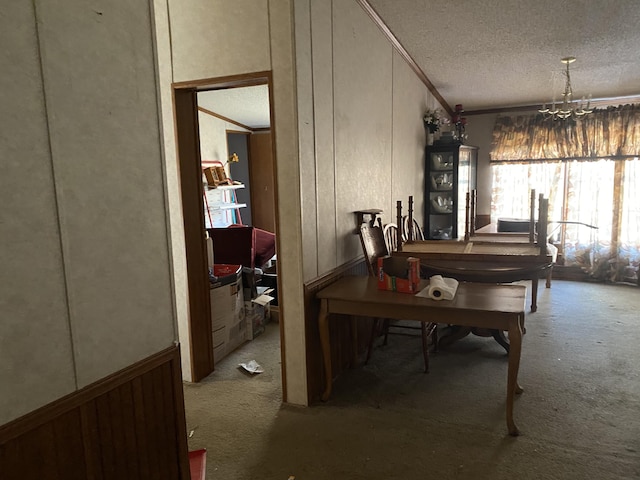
(440,163)
(441,182)
(442,233)
(442,205)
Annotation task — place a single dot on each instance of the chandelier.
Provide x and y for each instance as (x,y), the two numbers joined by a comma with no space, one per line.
(567,108)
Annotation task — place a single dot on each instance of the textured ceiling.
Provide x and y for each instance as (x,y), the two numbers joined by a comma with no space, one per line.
(487,54)
(246,105)
(504,53)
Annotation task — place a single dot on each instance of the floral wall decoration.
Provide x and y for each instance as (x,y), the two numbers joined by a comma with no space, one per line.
(434,118)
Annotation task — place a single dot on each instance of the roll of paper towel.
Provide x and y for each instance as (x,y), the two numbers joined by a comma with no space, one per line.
(442,288)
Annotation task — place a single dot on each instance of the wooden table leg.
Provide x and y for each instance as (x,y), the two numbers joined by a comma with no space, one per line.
(323,324)
(515,348)
(534,294)
(498,336)
(425,346)
(354,341)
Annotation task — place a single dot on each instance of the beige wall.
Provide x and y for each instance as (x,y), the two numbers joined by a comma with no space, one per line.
(87,268)
(348,128)
(212,39)
(361,137)
(213,137)
(410,100)
(86,287)
(480,131)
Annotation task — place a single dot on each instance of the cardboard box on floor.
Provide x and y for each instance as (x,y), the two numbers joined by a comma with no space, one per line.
(257,312)
(227,317)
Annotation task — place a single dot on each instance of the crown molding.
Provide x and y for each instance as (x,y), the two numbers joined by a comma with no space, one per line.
(221,117)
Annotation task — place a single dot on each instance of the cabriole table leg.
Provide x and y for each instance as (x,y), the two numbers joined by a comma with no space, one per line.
(323,324)
(515,348)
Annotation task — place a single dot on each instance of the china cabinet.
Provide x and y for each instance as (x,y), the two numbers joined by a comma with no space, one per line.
(450,173)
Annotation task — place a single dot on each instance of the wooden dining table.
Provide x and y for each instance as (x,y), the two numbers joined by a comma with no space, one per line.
(492,261)
(486,306)
(485,255)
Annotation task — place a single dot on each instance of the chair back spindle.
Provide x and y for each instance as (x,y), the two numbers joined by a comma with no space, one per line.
(400,234)
(390,232)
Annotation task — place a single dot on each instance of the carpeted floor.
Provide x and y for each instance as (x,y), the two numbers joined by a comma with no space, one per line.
(579,415)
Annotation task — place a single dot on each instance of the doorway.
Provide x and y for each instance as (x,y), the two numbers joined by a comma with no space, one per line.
(188,141)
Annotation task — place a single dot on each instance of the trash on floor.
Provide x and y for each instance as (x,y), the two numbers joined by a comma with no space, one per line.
(252,367)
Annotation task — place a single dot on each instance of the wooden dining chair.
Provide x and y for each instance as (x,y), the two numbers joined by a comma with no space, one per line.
(374,247)
(418,233)
(390,232)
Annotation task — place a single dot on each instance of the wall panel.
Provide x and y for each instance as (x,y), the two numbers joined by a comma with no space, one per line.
(323,106)
(362,66)
(36,363)
(410,99)
(306,127)
(174,200)
(290,271)
(100,78)
(215,38)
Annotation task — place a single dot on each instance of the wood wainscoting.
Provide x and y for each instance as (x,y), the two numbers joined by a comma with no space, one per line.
(341,341)
(129,425)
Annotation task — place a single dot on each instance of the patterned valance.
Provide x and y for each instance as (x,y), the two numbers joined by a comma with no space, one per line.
(613,132)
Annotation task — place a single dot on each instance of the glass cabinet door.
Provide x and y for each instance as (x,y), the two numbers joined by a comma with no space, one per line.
(464,163)
(449,175)
(441,195)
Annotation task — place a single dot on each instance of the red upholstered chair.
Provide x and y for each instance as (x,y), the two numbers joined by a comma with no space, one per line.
(242,245)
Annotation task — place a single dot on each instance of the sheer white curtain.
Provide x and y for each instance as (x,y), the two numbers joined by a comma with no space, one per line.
(629,242)
(589,200)
(512,185)
(579,191)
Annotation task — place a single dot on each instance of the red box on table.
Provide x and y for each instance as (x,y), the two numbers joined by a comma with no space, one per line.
(399,274)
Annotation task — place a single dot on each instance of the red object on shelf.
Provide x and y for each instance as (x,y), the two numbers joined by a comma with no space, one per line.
(198,464)
(225,274)
(224,270)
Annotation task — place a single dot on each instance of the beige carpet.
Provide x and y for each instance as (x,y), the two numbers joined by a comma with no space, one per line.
(579,415)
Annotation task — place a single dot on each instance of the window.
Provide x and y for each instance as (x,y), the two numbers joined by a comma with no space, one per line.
(589,170)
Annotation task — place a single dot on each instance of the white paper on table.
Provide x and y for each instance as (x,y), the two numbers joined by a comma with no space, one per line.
(424,292)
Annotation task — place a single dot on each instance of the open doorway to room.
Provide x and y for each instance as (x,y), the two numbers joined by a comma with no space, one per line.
(213,116)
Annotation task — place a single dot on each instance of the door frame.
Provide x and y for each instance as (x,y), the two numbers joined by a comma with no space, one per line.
(189,170)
